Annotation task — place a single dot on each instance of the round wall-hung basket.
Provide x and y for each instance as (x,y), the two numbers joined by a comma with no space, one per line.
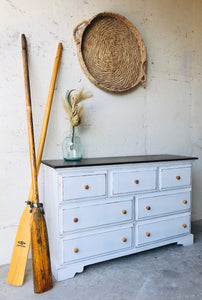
(111,52)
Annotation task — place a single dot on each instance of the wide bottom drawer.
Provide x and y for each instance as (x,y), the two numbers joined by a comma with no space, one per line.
(96,244)
(151,232)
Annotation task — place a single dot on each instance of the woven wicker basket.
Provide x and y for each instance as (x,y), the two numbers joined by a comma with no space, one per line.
(111,52)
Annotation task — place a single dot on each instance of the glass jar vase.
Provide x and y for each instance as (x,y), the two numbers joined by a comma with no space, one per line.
(72,147)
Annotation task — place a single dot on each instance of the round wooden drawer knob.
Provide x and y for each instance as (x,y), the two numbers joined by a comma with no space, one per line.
(124,239)
(136,181)
(148,234)
(184,225)
(148,207)
(75,220)
(76,250)
(124,211)
(86,187)
(178,177)
(184,201)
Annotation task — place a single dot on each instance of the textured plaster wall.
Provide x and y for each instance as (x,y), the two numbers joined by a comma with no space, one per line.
(163,116)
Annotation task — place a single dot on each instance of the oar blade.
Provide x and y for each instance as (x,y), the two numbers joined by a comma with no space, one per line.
(20,250)
(41,266)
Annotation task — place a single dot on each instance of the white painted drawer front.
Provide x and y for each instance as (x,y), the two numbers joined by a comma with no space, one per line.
(96,244)
(84,186)
(95,215)
(134,181)
(175,177)
(155,231)
(165,204)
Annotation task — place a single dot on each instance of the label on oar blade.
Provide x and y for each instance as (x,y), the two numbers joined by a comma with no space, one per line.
(21,244)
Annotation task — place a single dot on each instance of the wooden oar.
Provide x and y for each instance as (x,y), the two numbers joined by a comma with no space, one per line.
(42,277)
(23,237)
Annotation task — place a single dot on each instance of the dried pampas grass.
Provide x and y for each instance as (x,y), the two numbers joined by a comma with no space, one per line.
(70,103)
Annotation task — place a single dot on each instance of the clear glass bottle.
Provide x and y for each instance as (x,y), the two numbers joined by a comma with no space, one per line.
(72,147)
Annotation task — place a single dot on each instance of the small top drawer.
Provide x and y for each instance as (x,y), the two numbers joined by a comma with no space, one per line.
(134,181)
(83,186)
(175,177)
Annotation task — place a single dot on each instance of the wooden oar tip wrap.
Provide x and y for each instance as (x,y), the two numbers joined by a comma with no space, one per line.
(23,41)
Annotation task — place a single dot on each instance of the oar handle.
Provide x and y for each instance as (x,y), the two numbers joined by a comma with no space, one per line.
(47,114)
(29,118)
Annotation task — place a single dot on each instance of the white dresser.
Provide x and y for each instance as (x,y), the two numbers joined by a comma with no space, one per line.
(103,208)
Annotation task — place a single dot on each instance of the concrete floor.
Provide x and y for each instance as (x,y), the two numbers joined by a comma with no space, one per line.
(167,273)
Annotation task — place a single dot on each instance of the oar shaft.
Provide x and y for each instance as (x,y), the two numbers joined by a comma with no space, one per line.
(29,118)
(48,106)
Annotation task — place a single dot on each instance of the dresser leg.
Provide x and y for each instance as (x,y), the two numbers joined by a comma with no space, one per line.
(67,272)
(187,240)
